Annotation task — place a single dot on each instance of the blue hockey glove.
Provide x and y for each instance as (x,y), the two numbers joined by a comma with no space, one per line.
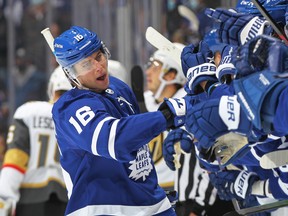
(237,28)
(262,52)
(226,71)
(175,136)
(258,96)
(174,110)
(233,184)
(198,66)
(211,119)
(211,39)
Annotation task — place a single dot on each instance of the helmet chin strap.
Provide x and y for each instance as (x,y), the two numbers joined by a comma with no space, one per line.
(162,86)
(159,90)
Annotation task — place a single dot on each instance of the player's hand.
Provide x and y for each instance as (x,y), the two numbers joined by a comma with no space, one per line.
(198,66)
(233,184)
(174,110)
(237,28)
(262,52)
(213,118)
(174,137)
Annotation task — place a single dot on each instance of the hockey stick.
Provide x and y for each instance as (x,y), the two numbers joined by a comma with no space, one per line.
(274,159)
(236,204)
(160,42)
(257,209)
(137,84)
(190,15)
(268,17)
(48,37)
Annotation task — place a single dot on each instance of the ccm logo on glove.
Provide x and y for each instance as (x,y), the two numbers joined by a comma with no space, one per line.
(229,111)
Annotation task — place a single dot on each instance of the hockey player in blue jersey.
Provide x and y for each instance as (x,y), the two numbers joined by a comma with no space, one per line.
(262,64)
(107,166)
(211,119)
(227,180)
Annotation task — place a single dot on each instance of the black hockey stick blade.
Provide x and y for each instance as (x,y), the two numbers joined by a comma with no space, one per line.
(137,84)
(232,213)
(257,209)
(268,17)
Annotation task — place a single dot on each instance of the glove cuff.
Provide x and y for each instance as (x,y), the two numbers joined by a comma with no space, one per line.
(167,115)
(223,70)
(253,90)
(261,188)
(270,104)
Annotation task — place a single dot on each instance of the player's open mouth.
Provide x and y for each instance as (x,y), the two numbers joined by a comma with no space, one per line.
(102,78)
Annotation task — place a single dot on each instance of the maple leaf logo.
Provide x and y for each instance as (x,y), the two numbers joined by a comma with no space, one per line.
(141,166)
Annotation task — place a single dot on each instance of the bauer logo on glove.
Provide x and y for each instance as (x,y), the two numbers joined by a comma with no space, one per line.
(229,111)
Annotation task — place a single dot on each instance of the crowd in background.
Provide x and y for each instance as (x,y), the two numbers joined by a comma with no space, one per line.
(29,74)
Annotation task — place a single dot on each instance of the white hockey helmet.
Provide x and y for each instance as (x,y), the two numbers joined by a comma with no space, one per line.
(58,81)
(168,63)
(116,69)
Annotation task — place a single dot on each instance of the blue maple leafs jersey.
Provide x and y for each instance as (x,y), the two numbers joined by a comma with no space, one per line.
(277,177)
(280,122)
(106,162)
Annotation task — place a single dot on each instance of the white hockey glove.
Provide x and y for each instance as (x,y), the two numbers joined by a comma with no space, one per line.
(174,110)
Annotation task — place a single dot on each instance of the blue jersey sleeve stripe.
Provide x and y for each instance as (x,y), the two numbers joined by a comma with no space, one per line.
(96,134)
(111,143)
(254,153)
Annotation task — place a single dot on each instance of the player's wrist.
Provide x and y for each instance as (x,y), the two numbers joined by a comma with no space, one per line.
(261,188)
(258,188)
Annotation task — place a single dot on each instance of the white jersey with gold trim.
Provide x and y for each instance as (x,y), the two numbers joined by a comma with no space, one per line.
(165,176)
(31,171)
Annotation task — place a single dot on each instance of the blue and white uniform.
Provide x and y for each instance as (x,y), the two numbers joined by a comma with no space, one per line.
(280,122)
(104,150)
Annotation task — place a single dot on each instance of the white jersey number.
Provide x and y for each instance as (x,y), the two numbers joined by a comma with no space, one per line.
(83,115)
